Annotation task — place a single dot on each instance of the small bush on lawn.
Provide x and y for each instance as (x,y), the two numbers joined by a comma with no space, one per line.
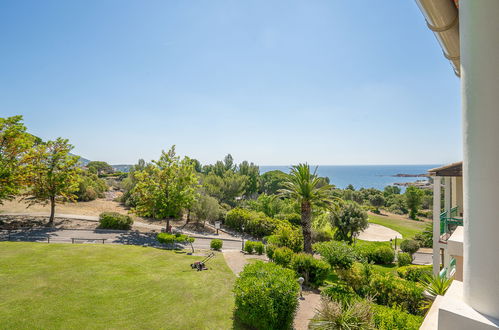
(259,248)
(340,293)
(403,259)
(248,246)
(389,318)
(414,273)
(216,244)
(337,254)
(334,315)
(171,239)
(266,296)
(314,271)
(410,246)
(392,291)
(114,220)
(383,255)
(283,256)
(270,251)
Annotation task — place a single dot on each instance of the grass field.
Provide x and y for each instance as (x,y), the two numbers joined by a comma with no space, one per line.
(63,286)
(408,228)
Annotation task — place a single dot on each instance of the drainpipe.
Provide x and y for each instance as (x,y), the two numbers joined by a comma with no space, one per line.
(442,17)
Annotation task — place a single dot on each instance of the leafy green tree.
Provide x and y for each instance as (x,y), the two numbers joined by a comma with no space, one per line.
(413,199)
(225,188)
(197,165)
(377,201)
(391,190)
(252,173)
(206,208)
(52,174)
(271,205)
(100,168)
(272,181)
(166,187)
(304,187)
(14,144)
(90,187)
(349,221)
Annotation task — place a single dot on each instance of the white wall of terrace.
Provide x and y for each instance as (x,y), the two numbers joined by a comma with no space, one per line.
(479,32)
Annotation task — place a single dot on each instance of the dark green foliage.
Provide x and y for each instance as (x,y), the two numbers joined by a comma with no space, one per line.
(321,235)
(114,220)
(256,224)
(414,273)
(349,221)
(410,246)
(341,293)
(391,190)
(90,187)
(292,218)
(272,181)
(269,251)
(403,259)
(377,201)
(337,254)
(357,277)
(382,255)
(288,236)
(389,290)
(266,296)
(425,238)
(283,256)
(314,271)
(171,239)
(216,244)
(392,318)
(259,248)
(413,198)
(249,246)
(100,168)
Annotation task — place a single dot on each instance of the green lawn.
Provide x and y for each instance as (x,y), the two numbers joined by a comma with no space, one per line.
(64,286)
(408,228)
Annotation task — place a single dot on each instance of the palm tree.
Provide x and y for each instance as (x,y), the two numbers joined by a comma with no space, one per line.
(308,190)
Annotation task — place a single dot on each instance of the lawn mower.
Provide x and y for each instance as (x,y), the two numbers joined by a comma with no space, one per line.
(201,265)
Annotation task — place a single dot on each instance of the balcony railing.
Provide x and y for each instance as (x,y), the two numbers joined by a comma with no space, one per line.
(449,221)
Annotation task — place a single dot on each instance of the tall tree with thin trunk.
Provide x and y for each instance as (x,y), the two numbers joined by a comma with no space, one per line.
(309,191)
(52,174)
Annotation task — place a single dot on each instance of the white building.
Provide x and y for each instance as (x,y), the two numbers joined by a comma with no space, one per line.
(468,32)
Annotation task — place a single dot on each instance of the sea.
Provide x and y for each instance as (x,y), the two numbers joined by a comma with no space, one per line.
(364,176)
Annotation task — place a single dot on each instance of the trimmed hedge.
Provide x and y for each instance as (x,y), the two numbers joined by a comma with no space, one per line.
(414,273)
(403,259)
(337,254)
(288,236)
(393,291)
(314,271)
(283,256)
(114,220)
(256,224)
(389,318)
(410,246)
(216,244)
(266,296)
(259,248)
(249,247)
(170,239)
(383,255)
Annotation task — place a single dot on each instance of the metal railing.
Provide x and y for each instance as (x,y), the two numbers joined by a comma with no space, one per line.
(449,222)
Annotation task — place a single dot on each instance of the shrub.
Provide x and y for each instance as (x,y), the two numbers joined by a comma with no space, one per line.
(249,246)
(383,255)
(216,244)
(334,315)
(357,277)
(414,273)
(255,223)
(114,220)
(410,246)
(270,251)
(170,239)
(389,318)
(392,291)
(288,236)
(340,293)
(425,238)
(266,296)
(321,235)
(314,271)
(337,254)
(283,256)
(436,285)
(259,248)
(403,259)
(90,187)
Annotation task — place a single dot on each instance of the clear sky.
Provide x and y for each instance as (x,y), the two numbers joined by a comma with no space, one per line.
(273,82)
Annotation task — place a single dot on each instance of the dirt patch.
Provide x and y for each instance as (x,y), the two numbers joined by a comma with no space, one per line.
(32,222)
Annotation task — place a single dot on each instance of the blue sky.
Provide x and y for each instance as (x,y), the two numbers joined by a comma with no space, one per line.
(273,82)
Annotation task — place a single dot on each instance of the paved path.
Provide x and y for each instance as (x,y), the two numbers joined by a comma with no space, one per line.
(110,236)
(310,302)
(378,233)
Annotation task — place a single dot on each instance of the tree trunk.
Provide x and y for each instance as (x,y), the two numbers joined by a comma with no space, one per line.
(167,225)
(306,224)
(52,210)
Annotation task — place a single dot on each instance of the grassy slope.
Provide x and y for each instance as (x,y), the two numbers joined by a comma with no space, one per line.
(94,286)
(408,228)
